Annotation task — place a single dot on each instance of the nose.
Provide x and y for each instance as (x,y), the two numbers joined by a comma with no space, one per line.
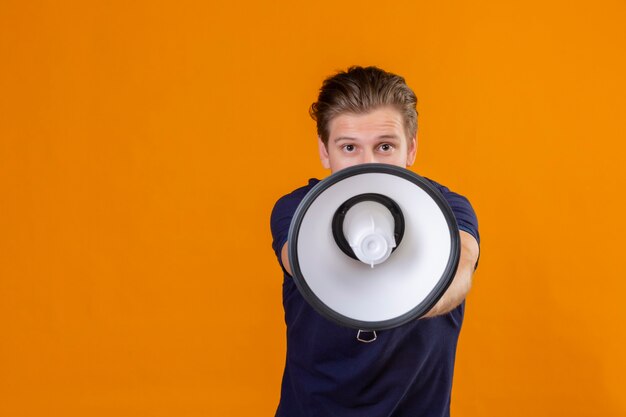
(369,157)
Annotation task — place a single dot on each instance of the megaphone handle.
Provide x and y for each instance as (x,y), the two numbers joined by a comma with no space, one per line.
(366,336)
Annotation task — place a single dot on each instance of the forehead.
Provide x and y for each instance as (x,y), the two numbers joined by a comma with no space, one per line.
(384,120)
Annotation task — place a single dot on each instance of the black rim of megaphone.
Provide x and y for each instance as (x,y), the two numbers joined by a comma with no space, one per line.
(429,301)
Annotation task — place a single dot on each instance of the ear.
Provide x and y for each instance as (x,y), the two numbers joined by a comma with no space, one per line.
(411,152)
(323,153)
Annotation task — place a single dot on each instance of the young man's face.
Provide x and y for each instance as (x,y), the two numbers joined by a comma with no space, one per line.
(377,136)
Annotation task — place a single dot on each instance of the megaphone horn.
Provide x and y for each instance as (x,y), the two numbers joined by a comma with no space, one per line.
(373,246)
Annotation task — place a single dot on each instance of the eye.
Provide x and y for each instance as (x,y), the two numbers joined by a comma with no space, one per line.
(348,148)
(385,147)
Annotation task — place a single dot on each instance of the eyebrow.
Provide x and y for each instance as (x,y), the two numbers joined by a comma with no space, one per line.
(392,137)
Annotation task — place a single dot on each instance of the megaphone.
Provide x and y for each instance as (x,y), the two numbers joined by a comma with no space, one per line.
(373,246)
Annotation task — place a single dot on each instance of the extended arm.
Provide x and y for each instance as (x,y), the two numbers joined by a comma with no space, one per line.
(284,257)
(462,281)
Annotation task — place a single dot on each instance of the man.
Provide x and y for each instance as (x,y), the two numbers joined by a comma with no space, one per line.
(367,115)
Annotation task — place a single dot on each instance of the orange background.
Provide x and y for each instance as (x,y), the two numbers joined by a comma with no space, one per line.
(143,145)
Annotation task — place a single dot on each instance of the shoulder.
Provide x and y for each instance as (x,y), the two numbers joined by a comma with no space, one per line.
(455,200)
(290,201)
(461,207)
(443,189)
(283,211)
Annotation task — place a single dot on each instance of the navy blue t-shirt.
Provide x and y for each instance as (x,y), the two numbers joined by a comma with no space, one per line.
(406,371)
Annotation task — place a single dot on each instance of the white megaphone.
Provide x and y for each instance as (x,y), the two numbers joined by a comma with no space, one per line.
(373,246)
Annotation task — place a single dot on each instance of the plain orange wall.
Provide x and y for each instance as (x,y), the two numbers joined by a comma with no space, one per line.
(143,144)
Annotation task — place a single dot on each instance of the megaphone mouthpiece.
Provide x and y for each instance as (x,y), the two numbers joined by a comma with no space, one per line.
(368,228)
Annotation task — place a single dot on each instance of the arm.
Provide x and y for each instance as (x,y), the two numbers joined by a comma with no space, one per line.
(284,257)
(462,282)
